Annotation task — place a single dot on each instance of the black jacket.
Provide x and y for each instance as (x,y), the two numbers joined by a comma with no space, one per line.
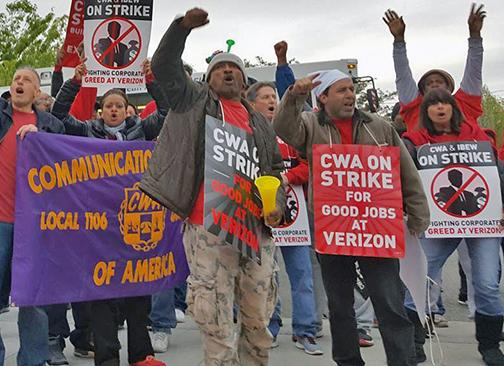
(135,129)
(45,121)
(176,170)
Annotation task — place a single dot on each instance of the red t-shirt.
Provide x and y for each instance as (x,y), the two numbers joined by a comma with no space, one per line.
(234,113)
(345,129)
(470,105)
(8,164)
(298,174)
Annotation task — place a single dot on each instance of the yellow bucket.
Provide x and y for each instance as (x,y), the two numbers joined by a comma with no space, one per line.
(268,187)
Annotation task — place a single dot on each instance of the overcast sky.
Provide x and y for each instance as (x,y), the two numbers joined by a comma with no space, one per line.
(436,33)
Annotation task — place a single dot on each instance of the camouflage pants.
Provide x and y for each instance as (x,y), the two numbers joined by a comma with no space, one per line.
(219,276)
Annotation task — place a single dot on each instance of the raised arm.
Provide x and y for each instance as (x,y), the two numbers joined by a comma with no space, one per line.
(284,77)
(167,65)
(405,84)
(472,79)
(288,122)
(57,74)
(155,89)
(153,123)
(64,100)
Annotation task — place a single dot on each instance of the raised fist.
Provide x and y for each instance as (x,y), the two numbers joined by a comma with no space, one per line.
(281,52)
(194,18)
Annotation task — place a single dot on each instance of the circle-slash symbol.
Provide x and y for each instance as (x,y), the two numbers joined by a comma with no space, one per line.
(116,43)
(460,191)
(291,207)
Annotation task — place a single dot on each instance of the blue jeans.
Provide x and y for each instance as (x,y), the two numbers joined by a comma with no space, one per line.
(304,316)
(6,237)
(2,351)
(276,319)
(32,321)
(180,296)
(440,305)
(162,313)
(364,312)
(485,264)
(5,291)
(33,330)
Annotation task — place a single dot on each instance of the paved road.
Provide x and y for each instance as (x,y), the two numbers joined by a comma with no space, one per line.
(451,283)
(185,349)
(457,341)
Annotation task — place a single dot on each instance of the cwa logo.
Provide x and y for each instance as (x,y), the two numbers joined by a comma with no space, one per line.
(141,220)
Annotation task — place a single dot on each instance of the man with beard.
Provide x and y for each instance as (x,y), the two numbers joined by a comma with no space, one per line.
(219,273)
(339,122)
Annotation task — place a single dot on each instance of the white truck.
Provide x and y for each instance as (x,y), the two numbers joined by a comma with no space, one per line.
(140,97)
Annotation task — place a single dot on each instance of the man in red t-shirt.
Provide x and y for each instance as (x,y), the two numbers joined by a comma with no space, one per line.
(220,275)
(17,118)
(339,122)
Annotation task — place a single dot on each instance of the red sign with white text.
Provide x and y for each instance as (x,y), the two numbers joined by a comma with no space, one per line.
(357,201)
(74,34)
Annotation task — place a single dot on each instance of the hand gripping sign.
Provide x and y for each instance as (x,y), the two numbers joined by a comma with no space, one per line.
(463,189)
(358,201)
(116,39)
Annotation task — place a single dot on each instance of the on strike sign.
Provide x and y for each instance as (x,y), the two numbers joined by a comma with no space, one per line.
(463,189)
(116,39)
(357,201)
(232,207)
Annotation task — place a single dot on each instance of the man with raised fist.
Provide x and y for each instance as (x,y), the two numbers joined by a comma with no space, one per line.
(220,275)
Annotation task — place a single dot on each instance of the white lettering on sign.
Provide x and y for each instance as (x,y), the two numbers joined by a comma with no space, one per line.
(364,240)
(236,153)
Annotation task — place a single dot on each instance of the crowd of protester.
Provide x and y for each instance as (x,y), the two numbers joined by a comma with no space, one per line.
(279,115)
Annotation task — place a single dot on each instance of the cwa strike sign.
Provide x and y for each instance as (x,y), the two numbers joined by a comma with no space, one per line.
(232,207)
(463,189)
(358,200)
(116,39)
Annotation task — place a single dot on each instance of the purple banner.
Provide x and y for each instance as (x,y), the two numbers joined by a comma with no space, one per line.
(84,231)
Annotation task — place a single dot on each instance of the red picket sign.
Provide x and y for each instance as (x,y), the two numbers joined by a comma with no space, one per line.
(74,34)
(357,201)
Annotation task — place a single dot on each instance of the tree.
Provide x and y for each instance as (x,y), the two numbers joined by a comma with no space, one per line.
(27,38)
(260,62)
(493,113)
(386,99)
